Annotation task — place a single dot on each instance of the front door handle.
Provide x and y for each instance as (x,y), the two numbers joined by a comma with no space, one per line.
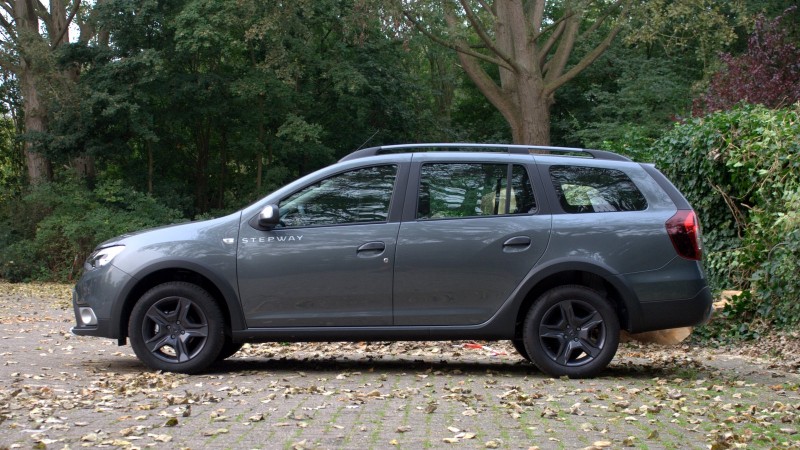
(371,249)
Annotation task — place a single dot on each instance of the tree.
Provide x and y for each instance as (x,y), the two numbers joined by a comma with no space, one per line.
(767,73)
(520,52)
(529,47)
(31,34)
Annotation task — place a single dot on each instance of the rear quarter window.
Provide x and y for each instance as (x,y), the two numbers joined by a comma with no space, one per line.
(595,189)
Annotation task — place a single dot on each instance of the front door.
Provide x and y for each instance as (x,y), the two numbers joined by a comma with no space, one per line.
(330,262)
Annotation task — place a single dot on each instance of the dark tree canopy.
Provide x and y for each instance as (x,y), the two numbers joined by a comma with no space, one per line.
(768,73)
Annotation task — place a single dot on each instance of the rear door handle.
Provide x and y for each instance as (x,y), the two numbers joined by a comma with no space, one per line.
(371,249)
(517,241)
(517,244)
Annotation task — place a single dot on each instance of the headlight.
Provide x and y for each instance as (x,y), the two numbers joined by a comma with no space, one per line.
(103,256)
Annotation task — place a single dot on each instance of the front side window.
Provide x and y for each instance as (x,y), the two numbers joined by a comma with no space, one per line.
(454,190)
(595,189)
(358,196)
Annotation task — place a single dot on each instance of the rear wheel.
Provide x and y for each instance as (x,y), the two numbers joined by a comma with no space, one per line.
(177,327)
(572,331)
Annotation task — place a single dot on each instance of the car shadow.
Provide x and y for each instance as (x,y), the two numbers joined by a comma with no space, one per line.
(398,365)
(472,367)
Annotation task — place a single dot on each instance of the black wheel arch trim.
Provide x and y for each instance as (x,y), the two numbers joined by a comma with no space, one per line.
(627,297)
(124,302)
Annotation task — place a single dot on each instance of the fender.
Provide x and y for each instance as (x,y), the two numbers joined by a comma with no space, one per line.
(509,311)
(229,292)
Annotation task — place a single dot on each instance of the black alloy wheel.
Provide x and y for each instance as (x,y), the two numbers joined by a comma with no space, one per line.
(177,327)
(572,331)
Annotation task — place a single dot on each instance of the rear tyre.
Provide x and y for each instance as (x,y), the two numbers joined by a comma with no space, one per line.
(572,331)
(177,327)
(519,346)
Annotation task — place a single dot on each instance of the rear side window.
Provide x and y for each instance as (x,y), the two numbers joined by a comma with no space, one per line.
(453,190)
(595,189)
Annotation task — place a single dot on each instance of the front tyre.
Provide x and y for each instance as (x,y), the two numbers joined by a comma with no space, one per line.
(519,346)
(177,327)
(572,331)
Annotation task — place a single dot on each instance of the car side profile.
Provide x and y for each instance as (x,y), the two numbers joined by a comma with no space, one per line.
(555,249)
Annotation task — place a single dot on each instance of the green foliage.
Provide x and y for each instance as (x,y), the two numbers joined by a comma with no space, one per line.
(11,164)
(625,101)
(741,171)
(47,234)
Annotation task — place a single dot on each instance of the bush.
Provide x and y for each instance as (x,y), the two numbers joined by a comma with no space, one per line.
(49,232)
(741,171)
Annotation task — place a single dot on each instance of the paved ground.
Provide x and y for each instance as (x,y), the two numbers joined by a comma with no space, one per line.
(61,391)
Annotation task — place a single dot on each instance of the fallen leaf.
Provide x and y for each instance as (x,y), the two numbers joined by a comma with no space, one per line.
(215,432)
(171,422)
(160,437)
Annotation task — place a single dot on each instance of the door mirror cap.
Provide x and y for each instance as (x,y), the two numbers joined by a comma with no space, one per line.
(269,217)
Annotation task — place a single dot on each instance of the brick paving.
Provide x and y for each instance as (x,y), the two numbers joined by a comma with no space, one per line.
(62,391)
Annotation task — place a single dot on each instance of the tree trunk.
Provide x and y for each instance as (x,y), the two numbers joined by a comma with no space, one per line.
(259,171)
(223,172)
(150,165)
(39,167)
(533,126)
(203,138)
(442,83)
(84,166)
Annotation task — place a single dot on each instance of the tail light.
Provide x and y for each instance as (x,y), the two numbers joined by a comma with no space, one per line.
(684,231)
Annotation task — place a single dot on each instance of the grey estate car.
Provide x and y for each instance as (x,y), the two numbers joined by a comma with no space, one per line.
(555,249)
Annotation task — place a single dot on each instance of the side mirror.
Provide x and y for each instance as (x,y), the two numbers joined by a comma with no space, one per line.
(269,217)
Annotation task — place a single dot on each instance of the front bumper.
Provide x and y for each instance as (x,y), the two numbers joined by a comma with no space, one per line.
(97,302)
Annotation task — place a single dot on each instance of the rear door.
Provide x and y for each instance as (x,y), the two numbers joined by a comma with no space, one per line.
(475,233)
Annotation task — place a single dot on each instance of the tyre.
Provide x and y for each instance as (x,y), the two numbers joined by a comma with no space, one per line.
(177,327)
(572,331)
(519,346)
(229,348)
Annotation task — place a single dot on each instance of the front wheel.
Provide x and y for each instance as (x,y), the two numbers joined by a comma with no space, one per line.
(229,348)
(572,331)
(519,346)
(177,327)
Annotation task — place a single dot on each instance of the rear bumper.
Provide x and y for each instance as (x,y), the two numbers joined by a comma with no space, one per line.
(660,315)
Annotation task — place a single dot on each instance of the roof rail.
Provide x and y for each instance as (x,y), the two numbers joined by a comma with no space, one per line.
(504,148)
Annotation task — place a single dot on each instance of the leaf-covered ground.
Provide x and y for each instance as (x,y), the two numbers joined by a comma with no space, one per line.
(61,391)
